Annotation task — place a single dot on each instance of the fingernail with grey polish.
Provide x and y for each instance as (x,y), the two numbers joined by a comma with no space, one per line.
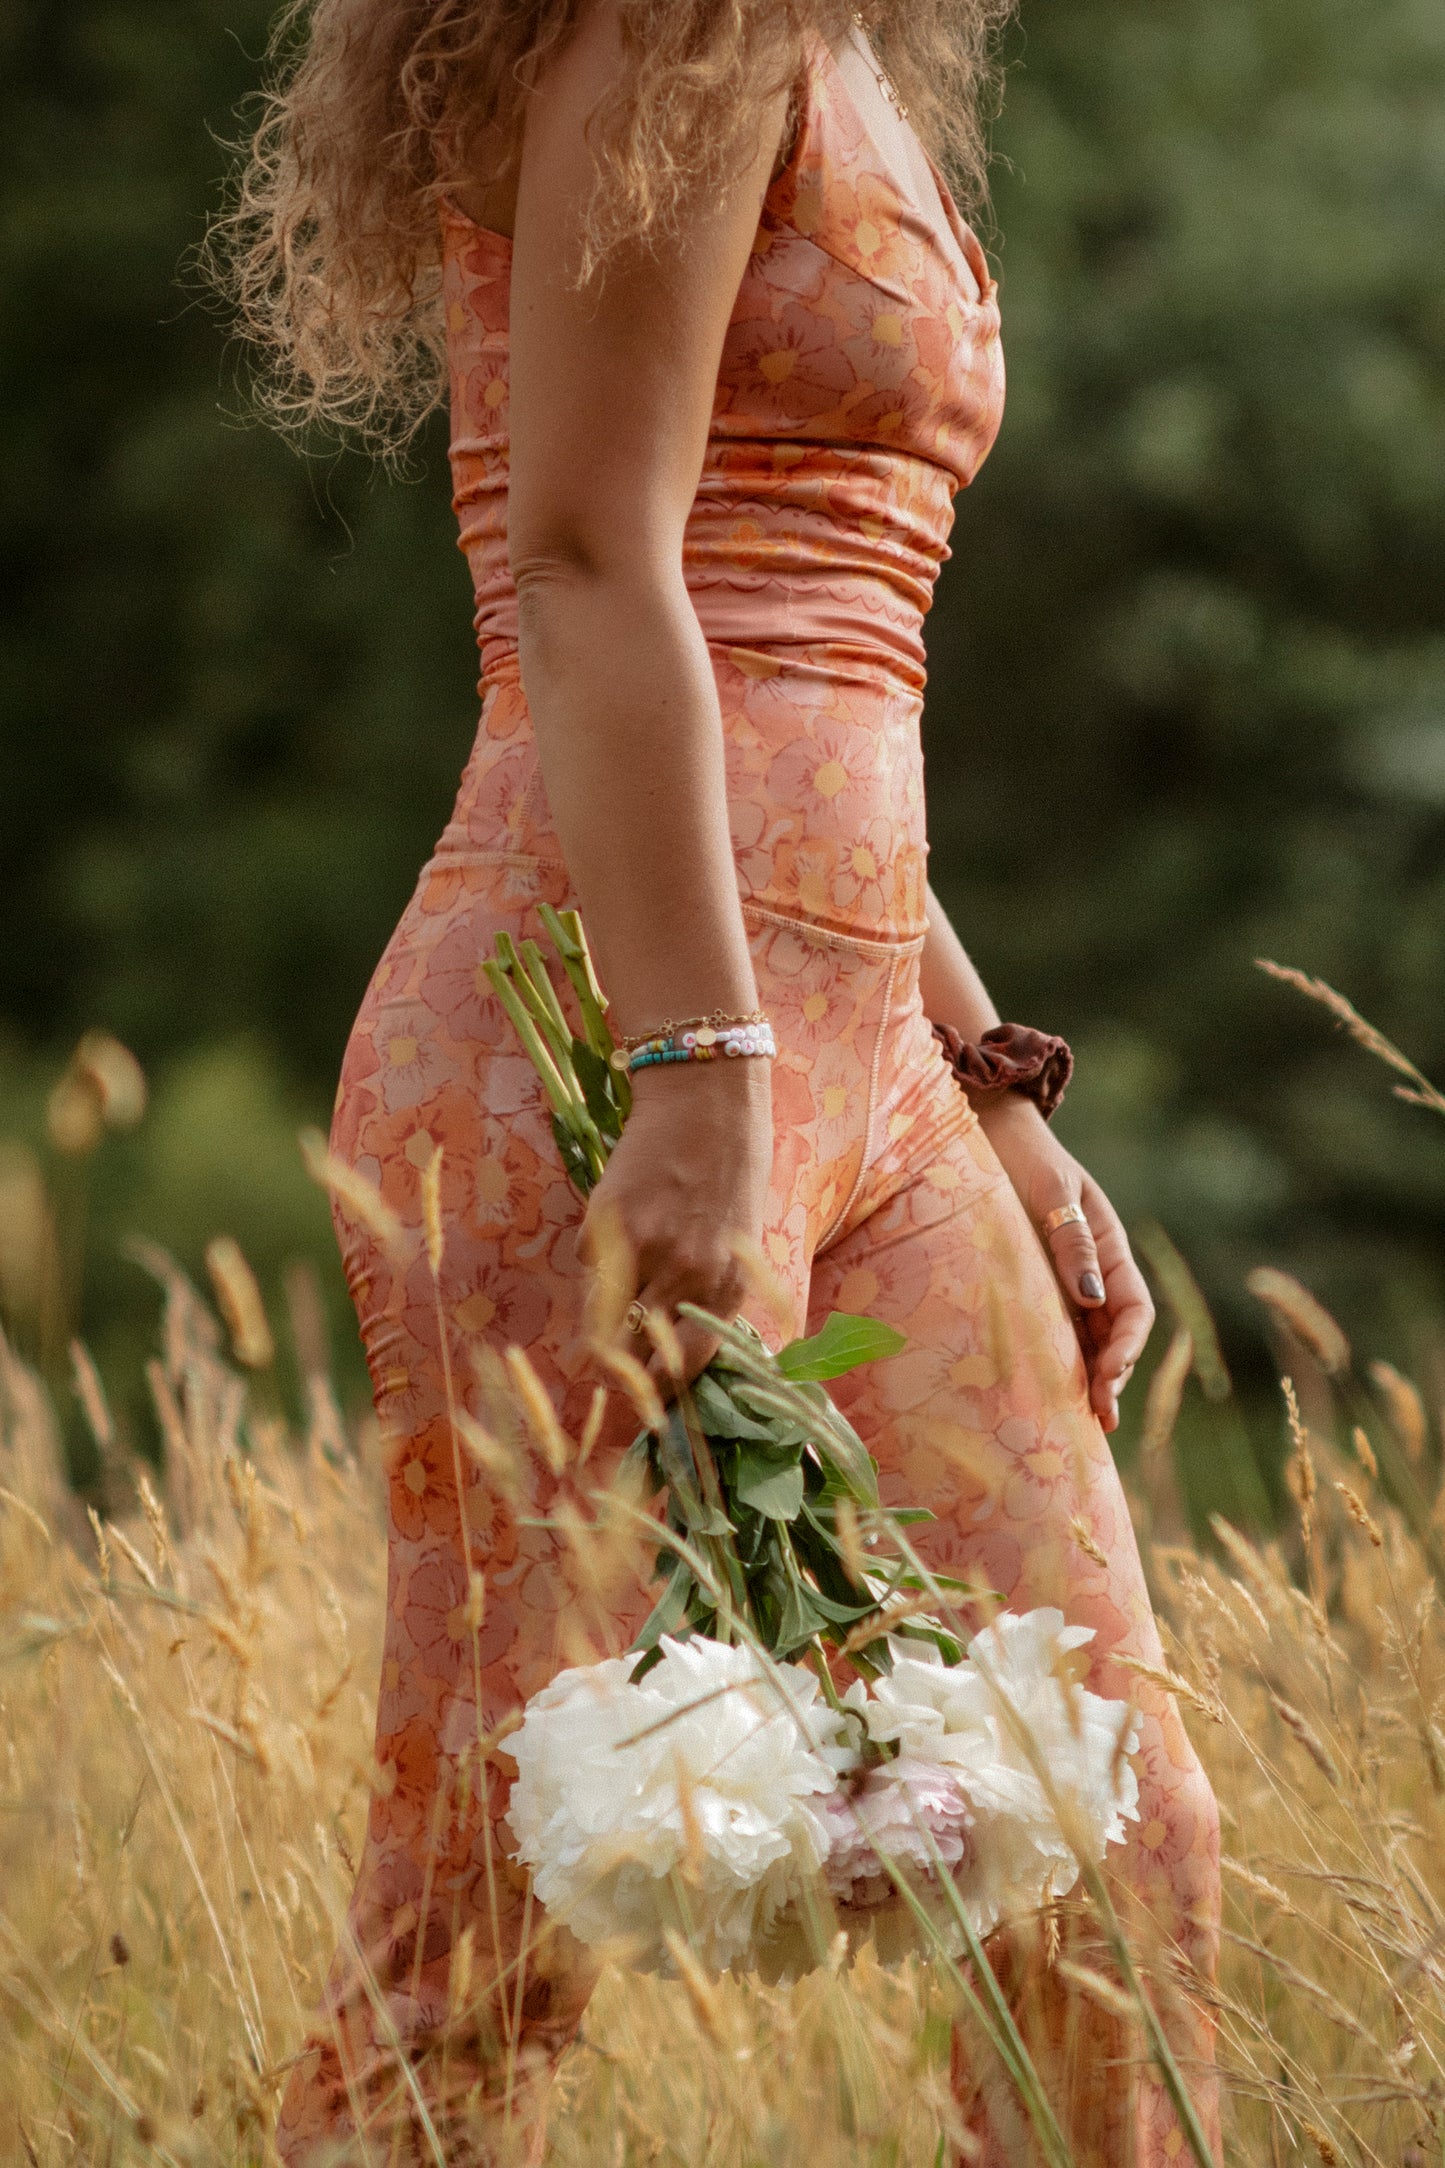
(1091,1287)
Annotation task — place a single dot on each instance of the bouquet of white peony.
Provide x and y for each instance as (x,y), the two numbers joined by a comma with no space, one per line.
(705,1784)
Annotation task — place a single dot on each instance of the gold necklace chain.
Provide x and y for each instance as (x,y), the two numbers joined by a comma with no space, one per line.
(884,81)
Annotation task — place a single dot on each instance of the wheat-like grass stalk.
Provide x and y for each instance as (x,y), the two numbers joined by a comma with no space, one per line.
(1417,1089)
(185,1707)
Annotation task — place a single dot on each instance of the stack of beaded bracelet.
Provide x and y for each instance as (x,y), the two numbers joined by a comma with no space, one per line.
(701,1038)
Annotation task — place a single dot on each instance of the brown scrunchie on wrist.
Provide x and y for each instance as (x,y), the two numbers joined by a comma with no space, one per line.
(1010,1058)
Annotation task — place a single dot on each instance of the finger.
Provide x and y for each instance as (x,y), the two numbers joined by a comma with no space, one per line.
(695,1349)
(674,1349)
(1128,1317)
(1076,1261)
(1113,1364)
(1115,1332)
(1129,1328)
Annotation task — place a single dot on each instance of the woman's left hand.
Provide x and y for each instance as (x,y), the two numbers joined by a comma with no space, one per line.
(1096,1269)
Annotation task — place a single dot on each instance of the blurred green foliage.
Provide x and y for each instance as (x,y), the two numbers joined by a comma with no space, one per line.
(1188,699)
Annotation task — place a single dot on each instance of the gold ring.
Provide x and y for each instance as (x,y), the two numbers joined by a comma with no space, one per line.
(636,1318)
(1063,1215)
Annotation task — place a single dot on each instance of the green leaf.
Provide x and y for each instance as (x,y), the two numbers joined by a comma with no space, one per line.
(668,1612)
(768,1487)
(576,1159)
(595,1078)
(842,1345)
(719,1413)
(914,1630)
(777,1404)
(973,1591)
(674,1458)
(800,1620)
(840,1445)
(636,1463)
(818,1548)
(840,1614)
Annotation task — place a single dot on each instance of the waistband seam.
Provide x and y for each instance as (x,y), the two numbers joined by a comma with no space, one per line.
(881,945)
(889,945)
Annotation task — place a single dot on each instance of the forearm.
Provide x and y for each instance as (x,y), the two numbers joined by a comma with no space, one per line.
(951,989)
(953,993)
(629,736)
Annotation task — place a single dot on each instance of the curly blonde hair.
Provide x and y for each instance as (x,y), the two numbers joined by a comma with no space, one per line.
(371,110)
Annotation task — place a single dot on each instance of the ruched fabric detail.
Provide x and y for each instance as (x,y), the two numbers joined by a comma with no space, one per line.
(860,388)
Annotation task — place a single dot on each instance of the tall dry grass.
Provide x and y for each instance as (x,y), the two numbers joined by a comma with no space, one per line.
(186,1695)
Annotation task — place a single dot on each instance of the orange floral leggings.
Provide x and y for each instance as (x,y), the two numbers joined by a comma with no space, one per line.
(887,1200)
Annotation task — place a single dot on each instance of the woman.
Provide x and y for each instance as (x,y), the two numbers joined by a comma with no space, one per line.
(721,351)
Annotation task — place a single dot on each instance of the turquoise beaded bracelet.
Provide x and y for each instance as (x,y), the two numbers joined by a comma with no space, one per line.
(702,1043)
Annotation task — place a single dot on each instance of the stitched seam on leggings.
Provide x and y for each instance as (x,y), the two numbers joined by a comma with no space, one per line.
(866,944)
(840,1219)
(794,922)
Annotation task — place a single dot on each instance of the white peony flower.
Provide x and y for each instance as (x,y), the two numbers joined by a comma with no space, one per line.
(691,1798)
(1018,1855)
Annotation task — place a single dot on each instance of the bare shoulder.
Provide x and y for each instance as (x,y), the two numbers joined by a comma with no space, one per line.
(613,378)
(575,80)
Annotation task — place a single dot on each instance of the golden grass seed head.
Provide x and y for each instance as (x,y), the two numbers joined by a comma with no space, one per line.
(352,1194)
(1404,1407)
(431,1209)
(1257,1884)
(592,1427)
(1082,1534)
(537,1410)
(1173,1682)
(1108,1994)
(1300,1726)
(1303,1313)
(102,1545)
(1360,1514)
(91,1394)
(636,1383)
(1365,1452)
(1304,1467)
(239,1300)
(128,1550)
(662,1333)
(850,1541)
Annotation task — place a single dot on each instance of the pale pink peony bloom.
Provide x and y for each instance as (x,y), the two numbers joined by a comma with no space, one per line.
(966,1719)
(901,1811)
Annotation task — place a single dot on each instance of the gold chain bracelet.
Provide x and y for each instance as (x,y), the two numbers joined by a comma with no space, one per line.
(717,1020)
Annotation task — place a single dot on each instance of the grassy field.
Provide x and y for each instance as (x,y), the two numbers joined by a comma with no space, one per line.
(186,1693)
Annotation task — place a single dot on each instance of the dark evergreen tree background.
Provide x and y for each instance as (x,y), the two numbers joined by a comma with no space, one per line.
(1188,697)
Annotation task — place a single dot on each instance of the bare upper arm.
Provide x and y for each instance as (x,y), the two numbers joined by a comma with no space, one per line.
(613,384)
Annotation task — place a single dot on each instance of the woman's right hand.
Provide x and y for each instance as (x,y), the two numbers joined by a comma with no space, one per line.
(685,1190)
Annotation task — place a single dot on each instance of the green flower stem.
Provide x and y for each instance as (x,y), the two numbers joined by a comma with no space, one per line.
(819,1659)
(564,930)
(541,1005)
(535,966)
(568,1105)
(1159,2048)
(1160,2051)
(994,2013)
